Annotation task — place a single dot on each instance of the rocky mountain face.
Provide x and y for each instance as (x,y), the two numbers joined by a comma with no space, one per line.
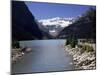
(24,26)
(45,31)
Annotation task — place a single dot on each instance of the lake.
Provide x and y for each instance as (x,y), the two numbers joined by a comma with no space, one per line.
(46,56)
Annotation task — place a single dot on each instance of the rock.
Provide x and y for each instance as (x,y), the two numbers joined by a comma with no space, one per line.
(16,55)
(81,58)
(28,49)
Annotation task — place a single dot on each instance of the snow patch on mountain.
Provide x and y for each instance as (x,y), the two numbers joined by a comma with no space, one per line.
(63,22)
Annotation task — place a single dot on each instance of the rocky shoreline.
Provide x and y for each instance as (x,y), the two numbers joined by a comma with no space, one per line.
(18,53)
(82,60)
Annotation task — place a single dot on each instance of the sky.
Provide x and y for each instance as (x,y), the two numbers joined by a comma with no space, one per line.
(43,10)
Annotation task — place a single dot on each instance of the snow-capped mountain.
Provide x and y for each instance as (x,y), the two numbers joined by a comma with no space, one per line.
(55,25)
(63,22)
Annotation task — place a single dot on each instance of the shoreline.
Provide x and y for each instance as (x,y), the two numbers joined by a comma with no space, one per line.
(82,60)
(18,53)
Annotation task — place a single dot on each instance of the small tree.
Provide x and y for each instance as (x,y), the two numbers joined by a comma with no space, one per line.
(68,41)
(73,42)
(15,44)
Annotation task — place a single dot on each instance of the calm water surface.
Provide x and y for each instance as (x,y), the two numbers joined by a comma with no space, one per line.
(46,55)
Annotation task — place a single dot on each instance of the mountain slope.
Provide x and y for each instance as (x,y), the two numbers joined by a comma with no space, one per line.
(24,26)
(44,31)
(84,27)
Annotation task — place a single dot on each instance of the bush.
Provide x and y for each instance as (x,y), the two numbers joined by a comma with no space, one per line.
(87,48)
(80,46)
(15,44)
(72,42)
(68,41)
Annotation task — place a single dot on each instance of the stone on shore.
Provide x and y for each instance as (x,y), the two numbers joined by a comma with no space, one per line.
(82,59)
(17,54)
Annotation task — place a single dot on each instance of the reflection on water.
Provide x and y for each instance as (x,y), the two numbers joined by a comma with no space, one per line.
(46,55)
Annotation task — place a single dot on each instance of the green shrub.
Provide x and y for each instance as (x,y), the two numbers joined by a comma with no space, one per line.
(80,46)
(87,48)
(15,44)
(68,41)
(72,42)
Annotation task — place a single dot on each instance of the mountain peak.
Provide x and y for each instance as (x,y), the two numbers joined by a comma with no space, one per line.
(63,22)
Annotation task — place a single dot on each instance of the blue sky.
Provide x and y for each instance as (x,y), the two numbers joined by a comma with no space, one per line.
(50,10)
